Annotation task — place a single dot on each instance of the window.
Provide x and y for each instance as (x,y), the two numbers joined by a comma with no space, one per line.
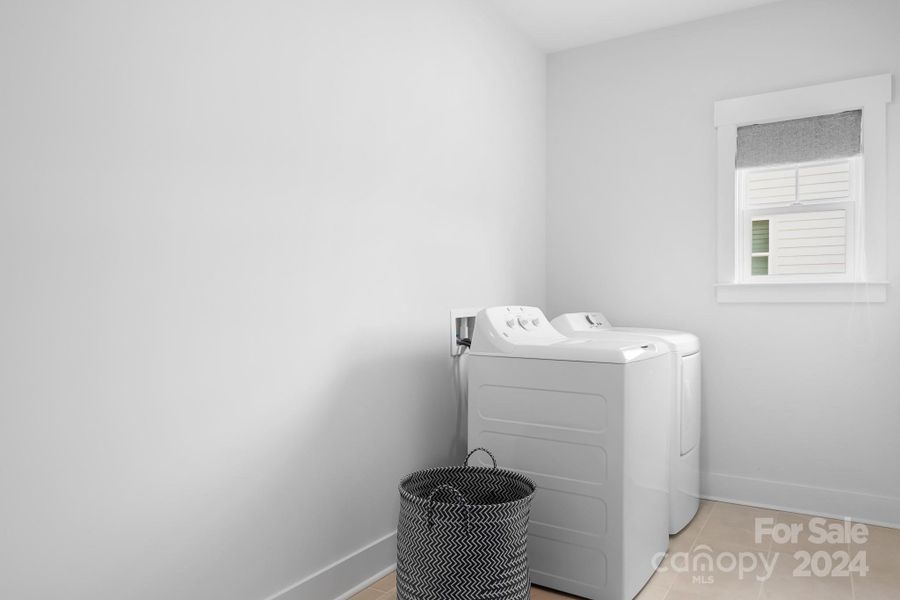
(797,221)
(802,194)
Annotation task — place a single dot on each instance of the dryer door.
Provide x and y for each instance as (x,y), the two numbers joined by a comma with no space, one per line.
(690,402)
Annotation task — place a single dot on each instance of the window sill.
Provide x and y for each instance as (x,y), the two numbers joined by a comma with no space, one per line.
(835,292)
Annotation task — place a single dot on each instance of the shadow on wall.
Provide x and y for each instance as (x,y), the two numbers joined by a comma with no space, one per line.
(388,414)
(459,382)
(293,484)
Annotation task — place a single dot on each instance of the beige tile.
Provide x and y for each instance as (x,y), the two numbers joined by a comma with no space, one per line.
(386,583)
(714,585)
(368,594)
(882,557)
(703,512)
(684,539)
(732,528)
(539,593)
(726,529)
(657,587)
(683,580)
(664,576)
(805,537)
(876,588)
(882,548)
(787,584)
(392,595)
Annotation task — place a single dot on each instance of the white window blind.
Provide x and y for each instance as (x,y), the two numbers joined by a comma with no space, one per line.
(822,137)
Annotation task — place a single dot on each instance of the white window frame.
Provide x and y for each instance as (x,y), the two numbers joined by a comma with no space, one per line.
(868,281)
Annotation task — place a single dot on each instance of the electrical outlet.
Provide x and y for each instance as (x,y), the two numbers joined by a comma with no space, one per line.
(462,325)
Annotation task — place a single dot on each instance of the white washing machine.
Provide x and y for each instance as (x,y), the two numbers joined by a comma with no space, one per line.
(685,434)
(588,421)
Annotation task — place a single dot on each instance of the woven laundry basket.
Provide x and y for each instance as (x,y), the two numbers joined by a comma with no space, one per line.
(463,534)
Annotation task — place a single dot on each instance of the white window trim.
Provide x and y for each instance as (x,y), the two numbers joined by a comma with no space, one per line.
(871,94)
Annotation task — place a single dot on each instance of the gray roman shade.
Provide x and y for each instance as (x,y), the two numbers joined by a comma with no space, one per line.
(822,137)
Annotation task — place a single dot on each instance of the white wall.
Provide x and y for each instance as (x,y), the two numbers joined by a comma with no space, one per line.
(802,402)
(230,233)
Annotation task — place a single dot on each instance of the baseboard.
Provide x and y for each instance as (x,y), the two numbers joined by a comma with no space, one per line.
(375,560)
(791,497)
(361,568)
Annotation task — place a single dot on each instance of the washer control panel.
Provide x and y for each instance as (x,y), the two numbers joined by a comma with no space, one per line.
(520,324)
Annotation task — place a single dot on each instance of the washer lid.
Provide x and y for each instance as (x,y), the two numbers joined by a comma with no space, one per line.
(685,343)
(586,325)
(524,332)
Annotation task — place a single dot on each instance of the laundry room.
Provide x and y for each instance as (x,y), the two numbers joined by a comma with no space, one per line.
(449,300)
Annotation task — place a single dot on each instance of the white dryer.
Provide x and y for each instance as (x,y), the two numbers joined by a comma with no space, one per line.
(588,421)
(685,433)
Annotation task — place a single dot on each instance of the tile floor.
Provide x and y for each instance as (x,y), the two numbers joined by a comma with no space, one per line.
(730,528)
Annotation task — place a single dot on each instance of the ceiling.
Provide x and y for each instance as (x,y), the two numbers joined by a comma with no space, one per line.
(559,24)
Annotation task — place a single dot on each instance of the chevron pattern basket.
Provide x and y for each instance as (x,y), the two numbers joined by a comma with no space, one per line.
(462,534)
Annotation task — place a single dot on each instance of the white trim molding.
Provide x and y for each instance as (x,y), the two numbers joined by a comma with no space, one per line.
(803,499)
(871,94)
(826,292)
(347,576)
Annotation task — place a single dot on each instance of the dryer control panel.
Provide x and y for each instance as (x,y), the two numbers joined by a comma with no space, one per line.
(581,321)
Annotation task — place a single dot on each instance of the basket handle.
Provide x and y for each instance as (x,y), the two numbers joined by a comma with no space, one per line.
(460,499)
(494,460)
